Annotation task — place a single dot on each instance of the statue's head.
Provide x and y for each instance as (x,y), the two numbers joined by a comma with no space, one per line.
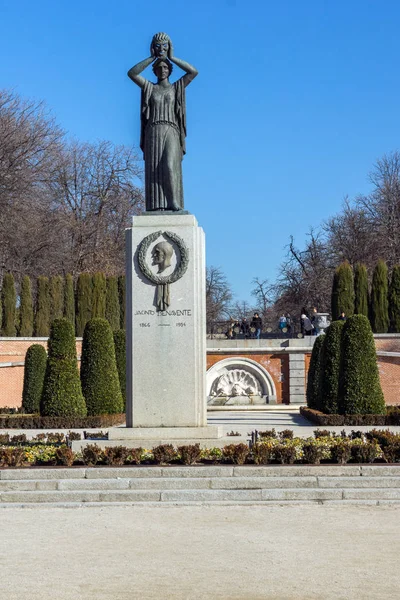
(160,45)
(162,68)
(161,255)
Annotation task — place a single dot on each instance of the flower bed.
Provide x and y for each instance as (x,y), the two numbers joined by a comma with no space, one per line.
(392,417)
(268,447)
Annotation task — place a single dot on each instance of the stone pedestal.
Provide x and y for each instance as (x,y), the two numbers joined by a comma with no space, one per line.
(165,324)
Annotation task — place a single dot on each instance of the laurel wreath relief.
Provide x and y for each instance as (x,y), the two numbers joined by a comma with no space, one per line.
(163,281)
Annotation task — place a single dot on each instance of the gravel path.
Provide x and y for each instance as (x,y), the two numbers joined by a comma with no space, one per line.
(189,553)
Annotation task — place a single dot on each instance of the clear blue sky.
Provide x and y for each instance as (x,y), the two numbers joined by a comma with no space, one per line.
(293,104)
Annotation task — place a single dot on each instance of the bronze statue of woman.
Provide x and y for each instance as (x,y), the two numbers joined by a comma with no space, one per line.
(163,124)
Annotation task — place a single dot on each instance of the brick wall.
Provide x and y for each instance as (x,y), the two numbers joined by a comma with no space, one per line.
(13,351)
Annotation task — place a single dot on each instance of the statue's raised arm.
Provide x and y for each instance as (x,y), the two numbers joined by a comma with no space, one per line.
(163,124)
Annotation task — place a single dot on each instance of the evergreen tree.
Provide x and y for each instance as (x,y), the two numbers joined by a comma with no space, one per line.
(9,305)
(330,370)
(314,375)
(84,289)
(99,375)
(62,392)
(34,370)
(342,299)
(99,296)
(120,355)
(26,308)
(42,317)
(379,308)
(56,297)
(360,290)
(69,299)
(360,390)
(112,303)
(122,300)
(394,300)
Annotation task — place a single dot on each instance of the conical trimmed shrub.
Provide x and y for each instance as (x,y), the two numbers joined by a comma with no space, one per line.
(99,375)
(62,393)
(56,297)
(26,308)
(379,308)
(342,299)
(394,301)
(34,371)
(360,290)
(122,300)
(9,304)
(112,303)
(84,291)
(42,316)
(120,356)
(331,359)
(360,390)
(314,375)
(69,299)
(99,296)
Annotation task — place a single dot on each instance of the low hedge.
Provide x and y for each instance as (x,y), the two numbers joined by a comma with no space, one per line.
(392,417)
(8,421)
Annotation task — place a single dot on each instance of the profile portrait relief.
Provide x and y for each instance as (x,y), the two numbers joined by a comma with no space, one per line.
(161,256)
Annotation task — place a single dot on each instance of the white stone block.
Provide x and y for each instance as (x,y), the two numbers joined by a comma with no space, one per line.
(166,349)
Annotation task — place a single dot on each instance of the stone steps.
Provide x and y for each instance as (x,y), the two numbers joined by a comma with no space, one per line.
(325,484)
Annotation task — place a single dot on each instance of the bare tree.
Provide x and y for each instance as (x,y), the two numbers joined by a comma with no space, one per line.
(95,188)
(263,291)
(218,296)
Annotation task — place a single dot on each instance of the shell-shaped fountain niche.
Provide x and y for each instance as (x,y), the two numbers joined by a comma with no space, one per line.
(239,381)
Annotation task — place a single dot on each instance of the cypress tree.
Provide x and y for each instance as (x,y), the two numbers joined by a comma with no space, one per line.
(379,299)
(9,304)
(330,370)
(120,355)
(56,297)
(99,375)
(122,300)
(99,296)
(394,300)
(112,303)
(34,370)
(342,299)
(69,299)
(84,288)
(360,290)
(360,390)
(62,392)
(26,308)
(314,375)
(42,317)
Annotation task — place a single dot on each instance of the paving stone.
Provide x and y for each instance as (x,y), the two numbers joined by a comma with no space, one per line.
(171,483)
(9,486)
(359,482)
(302,494)
(123,472)
(95,484)
(130,496)
(372,494)
(66,496)
(297,471)
(33,473)
(263,482)
(217,471)
(380,470)
(209,495)
(51,484)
